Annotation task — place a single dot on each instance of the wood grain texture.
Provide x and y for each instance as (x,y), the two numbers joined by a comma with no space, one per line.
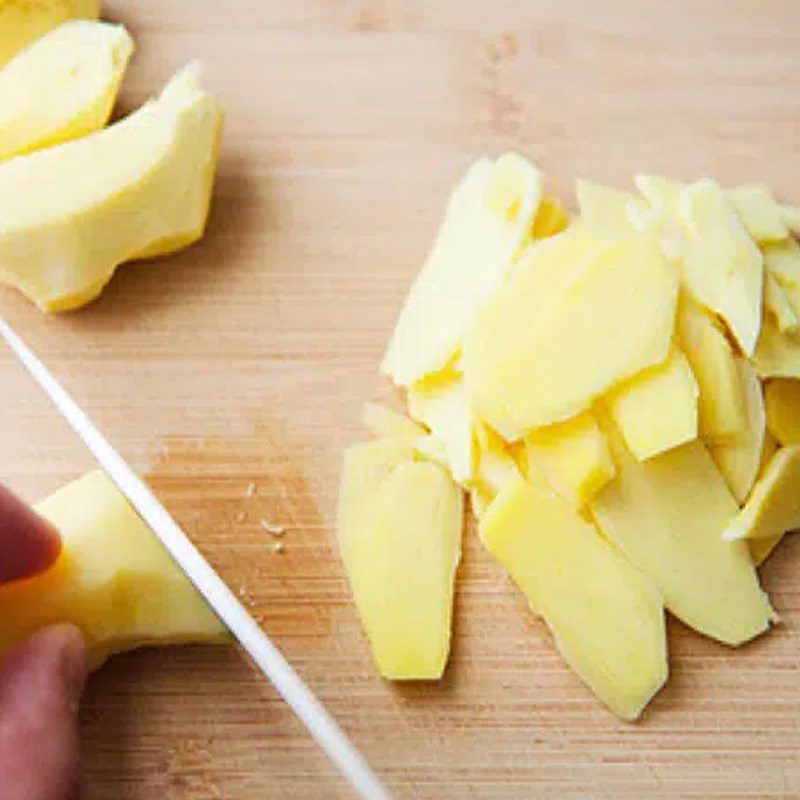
(247,359)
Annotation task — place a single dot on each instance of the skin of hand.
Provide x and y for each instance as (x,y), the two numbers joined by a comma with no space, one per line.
(41,680)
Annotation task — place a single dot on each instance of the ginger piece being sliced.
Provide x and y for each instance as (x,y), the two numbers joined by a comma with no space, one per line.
(656,410)
(400,525)
(607,617)
(667,515)
(774,504)
(78,67)
(113,579)
(24,21)
(136,189)
(488,218)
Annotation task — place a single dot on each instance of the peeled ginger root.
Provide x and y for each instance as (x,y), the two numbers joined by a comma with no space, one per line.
(113,579)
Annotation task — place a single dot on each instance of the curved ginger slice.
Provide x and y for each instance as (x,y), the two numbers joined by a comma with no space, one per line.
(606,616)
(739,460)
(667,515)
(488,218)
(440,402)
(78,67)
(71,213)
(777,354)
(774,504)
(778,302)
(723,267)
(721,409)
(759,212)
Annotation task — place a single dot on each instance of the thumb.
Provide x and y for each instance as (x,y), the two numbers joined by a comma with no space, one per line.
(28,543)
(41,682)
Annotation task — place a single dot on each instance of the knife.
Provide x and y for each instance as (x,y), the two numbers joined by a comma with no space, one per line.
(222,600)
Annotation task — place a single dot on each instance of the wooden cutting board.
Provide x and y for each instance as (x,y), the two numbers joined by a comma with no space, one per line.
(246,359)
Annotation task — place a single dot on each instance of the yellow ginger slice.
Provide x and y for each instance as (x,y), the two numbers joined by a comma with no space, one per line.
(572,456)
(78,68)
(561,330)
(488,217)
(723,266)
(739,460)
(400,525)
(759,212)
(777,354)
(606,617)
(721,403)
(667,515)
(774,504)
(777,301)
(656,410)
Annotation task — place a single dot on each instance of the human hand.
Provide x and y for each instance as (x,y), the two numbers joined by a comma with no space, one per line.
(41,681)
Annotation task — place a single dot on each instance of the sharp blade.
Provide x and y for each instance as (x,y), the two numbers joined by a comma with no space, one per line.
(241,624)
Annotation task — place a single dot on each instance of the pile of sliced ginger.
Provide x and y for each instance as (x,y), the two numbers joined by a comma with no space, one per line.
(617,395)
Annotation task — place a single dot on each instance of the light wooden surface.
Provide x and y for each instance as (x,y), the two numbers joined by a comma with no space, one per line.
(247,359)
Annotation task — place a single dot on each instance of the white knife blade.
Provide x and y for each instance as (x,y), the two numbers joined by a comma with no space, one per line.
(233,614)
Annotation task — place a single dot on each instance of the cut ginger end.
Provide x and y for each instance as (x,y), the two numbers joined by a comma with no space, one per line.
(137,189)
(113,579)
(80,66)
